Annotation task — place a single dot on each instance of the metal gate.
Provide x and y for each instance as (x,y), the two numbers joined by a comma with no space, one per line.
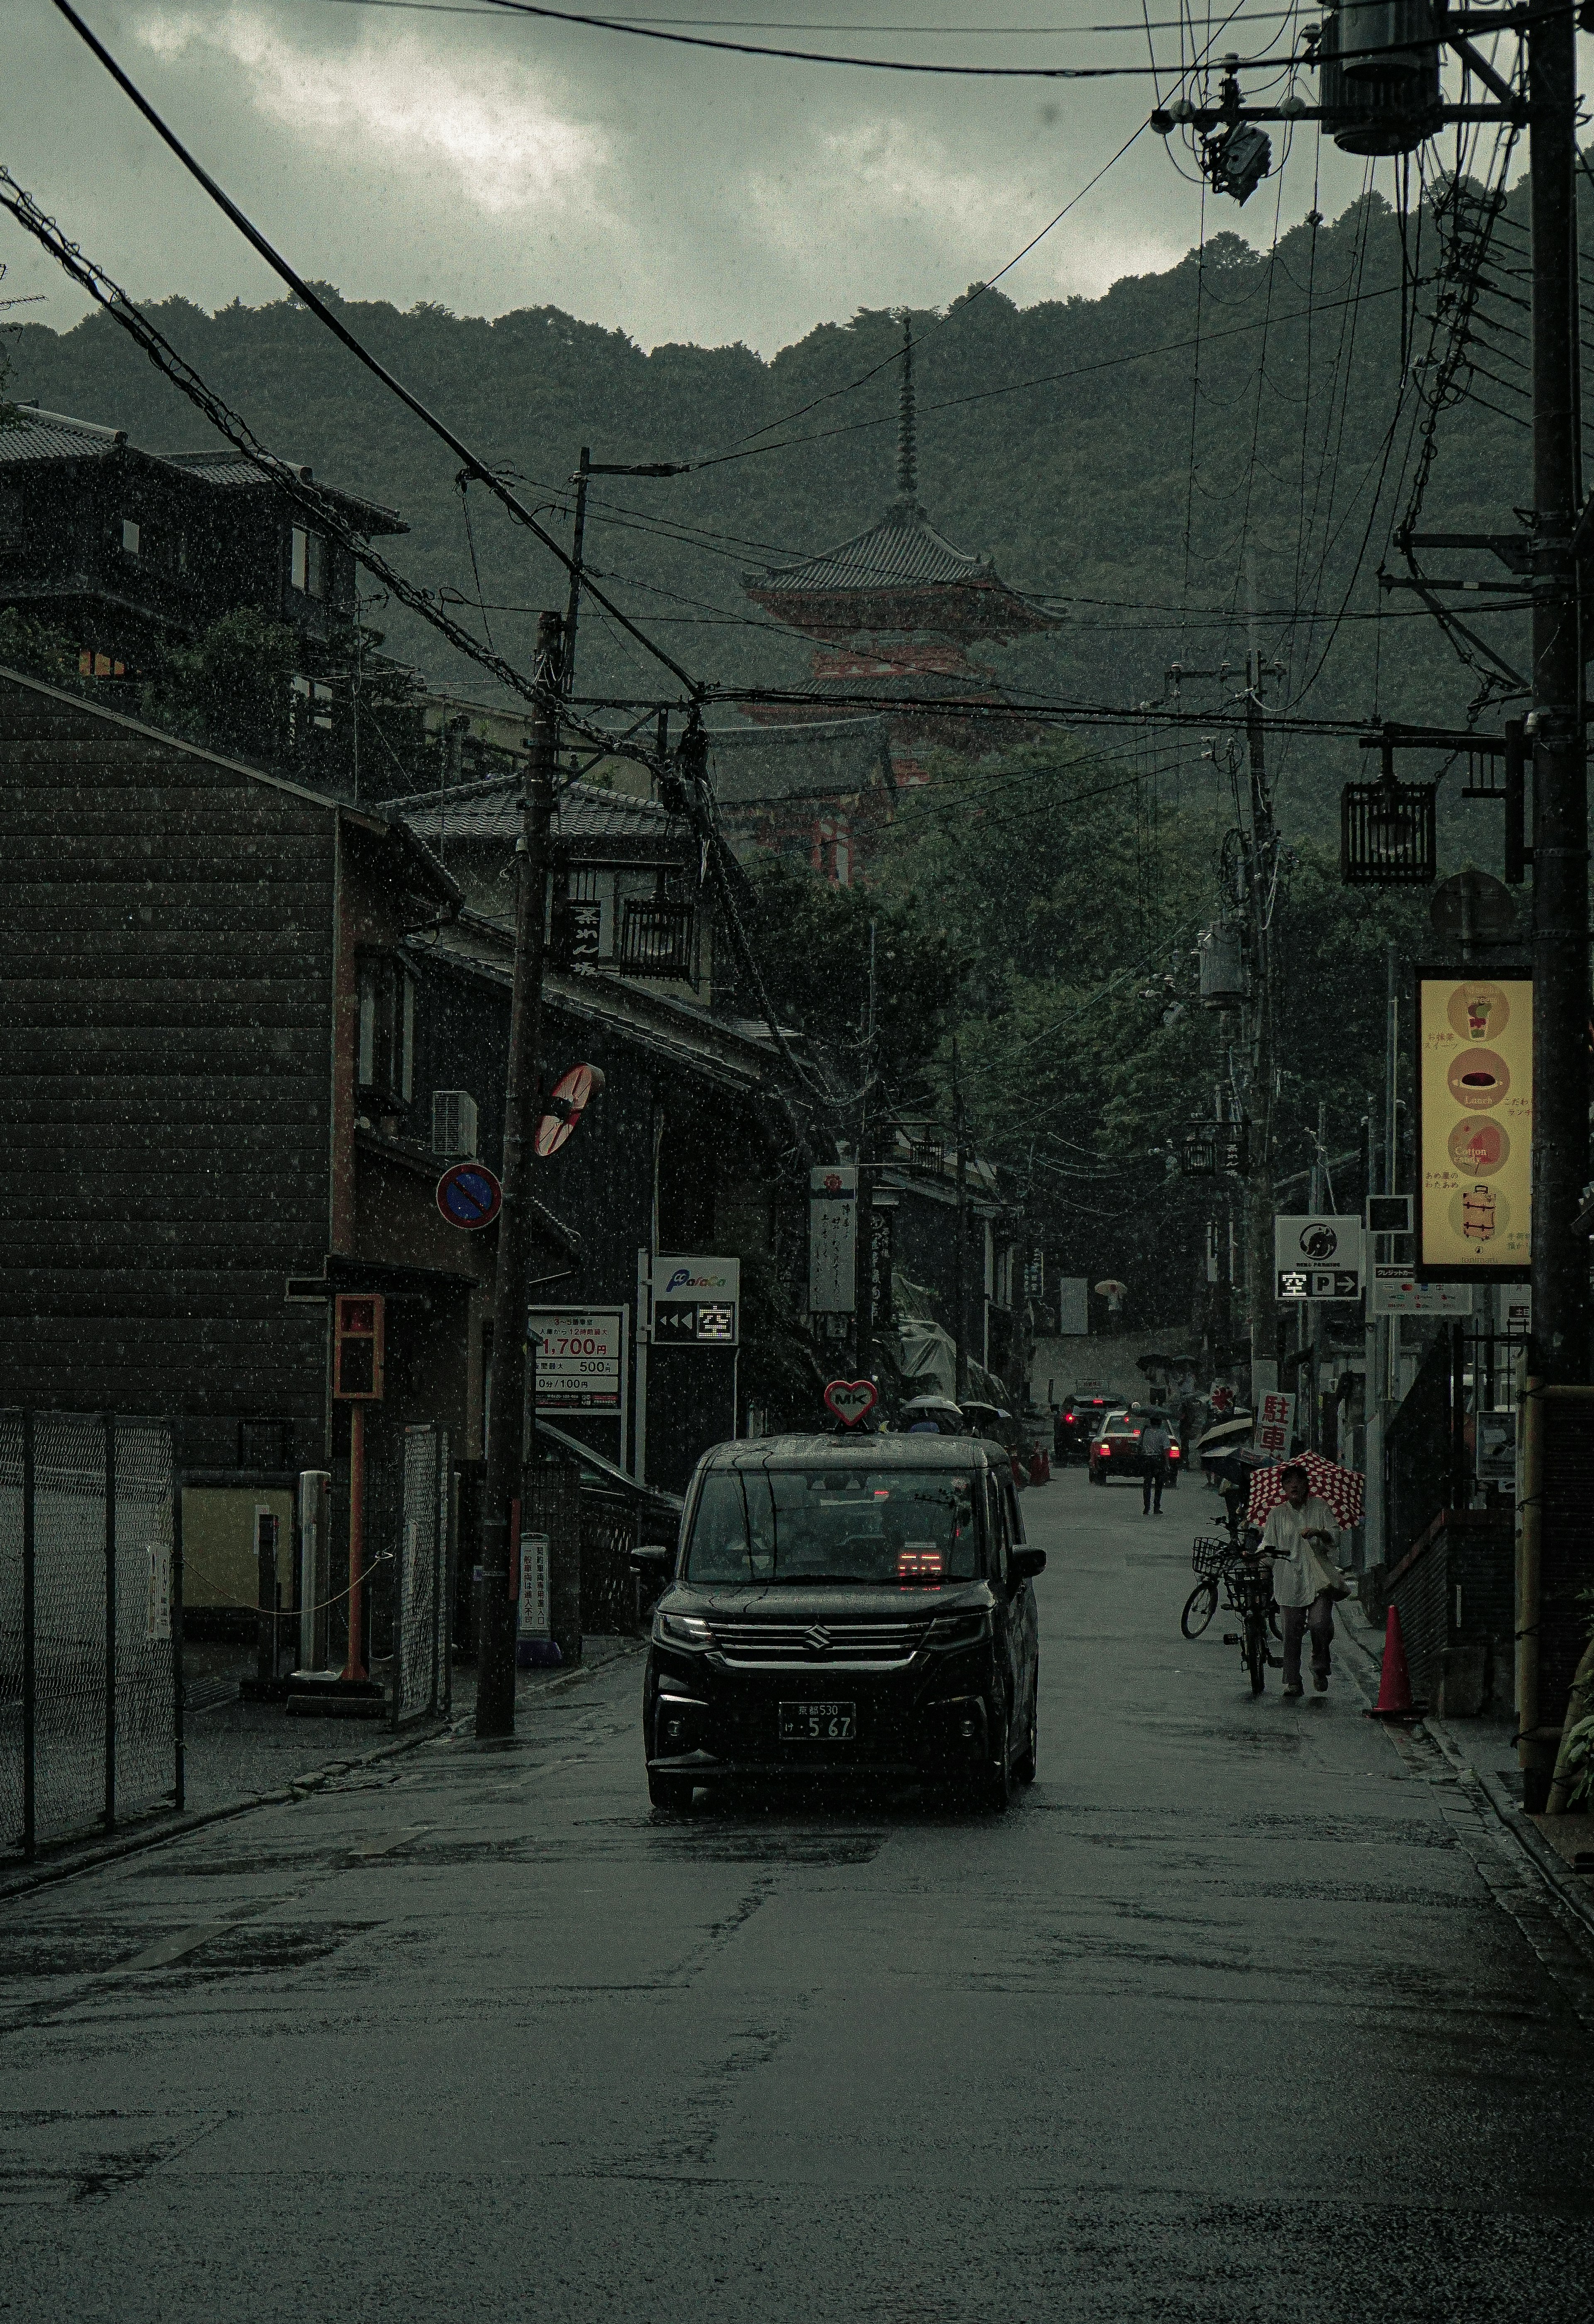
(90,1624)
(423,1592)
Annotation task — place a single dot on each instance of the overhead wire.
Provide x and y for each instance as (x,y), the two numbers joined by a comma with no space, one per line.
(324,314)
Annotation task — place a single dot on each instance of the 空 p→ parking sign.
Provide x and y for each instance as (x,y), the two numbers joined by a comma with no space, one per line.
(1317,1255)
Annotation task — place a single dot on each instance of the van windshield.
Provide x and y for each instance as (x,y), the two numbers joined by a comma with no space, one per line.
(893,1526)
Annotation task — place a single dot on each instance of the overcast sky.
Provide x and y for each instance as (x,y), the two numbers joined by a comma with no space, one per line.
(490,164)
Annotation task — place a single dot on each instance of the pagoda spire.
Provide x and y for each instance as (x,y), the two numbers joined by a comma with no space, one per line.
(908,425)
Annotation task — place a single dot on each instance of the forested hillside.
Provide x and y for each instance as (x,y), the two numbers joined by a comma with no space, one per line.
(1239,428)
(1144,493)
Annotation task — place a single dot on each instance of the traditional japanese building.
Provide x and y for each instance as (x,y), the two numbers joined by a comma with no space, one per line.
(897,615)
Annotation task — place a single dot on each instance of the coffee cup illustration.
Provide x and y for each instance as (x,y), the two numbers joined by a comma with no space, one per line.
(1478,1077)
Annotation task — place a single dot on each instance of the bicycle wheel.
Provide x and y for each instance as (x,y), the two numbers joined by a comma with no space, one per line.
(1256,1651)
(1199,1609)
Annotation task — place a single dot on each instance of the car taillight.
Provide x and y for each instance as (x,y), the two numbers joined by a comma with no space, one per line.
(1069,1417)
(1103,1450)
(1173,1451)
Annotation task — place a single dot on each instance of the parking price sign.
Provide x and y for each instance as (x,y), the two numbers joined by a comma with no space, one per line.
(580,1357)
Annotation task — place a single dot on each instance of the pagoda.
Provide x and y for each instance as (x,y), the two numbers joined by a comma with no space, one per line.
(895,614)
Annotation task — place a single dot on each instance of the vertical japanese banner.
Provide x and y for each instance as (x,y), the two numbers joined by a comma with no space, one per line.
(1275,1422)
(1475,1049)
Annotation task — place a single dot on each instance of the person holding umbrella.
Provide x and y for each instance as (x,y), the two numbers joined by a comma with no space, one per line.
(1300,1536)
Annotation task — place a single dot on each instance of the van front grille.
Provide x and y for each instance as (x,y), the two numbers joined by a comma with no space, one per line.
(818,1645)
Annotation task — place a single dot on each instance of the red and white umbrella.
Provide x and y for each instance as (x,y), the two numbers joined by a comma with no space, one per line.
(1341,1488)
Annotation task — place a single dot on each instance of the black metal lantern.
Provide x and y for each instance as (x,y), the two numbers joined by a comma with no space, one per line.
(1389,834)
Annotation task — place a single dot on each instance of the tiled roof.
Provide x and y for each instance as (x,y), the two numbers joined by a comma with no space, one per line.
(903,548)
(36,435)
(231,468)
(492,810)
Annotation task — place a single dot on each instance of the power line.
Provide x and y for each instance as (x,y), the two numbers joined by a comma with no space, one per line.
(782,25)
(1043,379)
(301,290)
(641,31)
(960,310)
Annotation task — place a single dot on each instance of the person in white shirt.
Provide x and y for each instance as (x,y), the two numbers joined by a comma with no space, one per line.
(1300,1538)
(1156,1443)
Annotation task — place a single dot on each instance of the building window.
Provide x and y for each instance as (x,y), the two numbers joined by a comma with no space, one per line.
(308,563)
(129,537)
(313,702)
(384,1053)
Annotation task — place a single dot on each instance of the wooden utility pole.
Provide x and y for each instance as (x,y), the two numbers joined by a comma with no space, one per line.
(960,1281)
(1261,857)
(506,1418)
(1560,1338)
(578,545)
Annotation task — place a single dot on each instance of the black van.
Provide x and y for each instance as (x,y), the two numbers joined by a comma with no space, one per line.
(840,1606)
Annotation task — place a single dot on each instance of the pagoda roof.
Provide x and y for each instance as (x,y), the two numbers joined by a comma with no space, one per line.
(903,549)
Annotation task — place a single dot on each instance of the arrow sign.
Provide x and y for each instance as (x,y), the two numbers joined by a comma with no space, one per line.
(469,1195)
(568,1100)
(852,1400)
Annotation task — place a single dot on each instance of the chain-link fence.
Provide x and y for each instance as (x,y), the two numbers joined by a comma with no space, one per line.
(90,1595)
(423,1590)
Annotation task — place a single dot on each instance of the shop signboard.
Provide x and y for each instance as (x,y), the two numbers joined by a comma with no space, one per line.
(1474,1126)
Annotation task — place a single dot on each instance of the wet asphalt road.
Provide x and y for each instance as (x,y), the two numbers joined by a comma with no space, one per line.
(1241,2013)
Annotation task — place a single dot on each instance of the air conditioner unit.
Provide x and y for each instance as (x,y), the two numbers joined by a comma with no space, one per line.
(453,1125)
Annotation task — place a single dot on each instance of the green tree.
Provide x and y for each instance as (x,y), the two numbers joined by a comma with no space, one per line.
(232,689)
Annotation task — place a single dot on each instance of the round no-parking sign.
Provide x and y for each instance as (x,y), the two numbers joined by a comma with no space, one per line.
(469,1195)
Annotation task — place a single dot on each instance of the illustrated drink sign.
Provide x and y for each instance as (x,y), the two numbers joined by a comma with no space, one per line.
(1474,1125)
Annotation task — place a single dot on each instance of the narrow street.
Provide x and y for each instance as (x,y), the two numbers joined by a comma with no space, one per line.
(1242,2013)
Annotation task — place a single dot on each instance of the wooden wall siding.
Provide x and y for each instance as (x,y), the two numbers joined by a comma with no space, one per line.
(164,1103)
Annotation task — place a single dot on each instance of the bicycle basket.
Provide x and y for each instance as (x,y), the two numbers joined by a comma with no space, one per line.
(1251,1588)
(1210,1556)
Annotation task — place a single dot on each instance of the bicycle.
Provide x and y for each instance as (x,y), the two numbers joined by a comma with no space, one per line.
(1249,1582)
(1210,1557)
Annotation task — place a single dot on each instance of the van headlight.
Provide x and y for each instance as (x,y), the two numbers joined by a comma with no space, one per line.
(681,1631)
(960,1629)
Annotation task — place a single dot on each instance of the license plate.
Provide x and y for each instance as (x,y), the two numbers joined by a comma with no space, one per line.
(818,1722)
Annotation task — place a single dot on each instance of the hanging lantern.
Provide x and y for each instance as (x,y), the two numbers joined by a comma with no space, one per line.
(1389,833)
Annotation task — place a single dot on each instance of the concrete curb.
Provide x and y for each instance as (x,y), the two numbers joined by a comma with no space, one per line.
(1556,1875)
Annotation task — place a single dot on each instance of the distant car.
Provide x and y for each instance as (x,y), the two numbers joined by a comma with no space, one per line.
(1115,1448)
(1077,1424)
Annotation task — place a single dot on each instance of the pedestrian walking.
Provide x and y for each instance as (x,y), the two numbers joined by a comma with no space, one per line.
(1300,1536)
(1156,1442)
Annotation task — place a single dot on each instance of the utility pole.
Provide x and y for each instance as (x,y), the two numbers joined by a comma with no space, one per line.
(589,467)
(1259,867)
(1560,1335)
(864,1299)
(960,1281)
(578,542)
(506,1419)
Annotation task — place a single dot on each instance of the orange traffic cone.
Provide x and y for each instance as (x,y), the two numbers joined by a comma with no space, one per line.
(1394,1684)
